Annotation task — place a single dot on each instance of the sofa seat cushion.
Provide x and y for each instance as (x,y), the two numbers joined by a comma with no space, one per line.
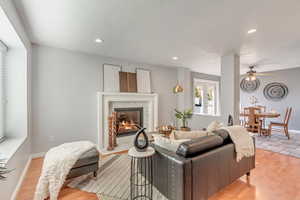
(88,158)
(199,145)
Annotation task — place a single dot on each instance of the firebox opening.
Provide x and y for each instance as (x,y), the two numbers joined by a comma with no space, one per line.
(127,119)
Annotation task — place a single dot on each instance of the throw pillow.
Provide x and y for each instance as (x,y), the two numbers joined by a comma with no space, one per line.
(213,126)
(178,135)
(169,144)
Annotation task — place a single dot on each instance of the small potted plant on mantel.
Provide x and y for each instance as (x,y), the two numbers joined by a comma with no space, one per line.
(3,170)
(184,116)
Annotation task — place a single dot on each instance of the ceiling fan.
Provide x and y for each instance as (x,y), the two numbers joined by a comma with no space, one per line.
(251,75)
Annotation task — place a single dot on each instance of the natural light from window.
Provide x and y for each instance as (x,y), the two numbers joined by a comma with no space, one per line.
(206,97)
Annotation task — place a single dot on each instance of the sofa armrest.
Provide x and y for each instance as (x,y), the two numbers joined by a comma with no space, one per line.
(176,170)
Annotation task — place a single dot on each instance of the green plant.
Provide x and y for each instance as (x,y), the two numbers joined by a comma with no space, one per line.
(184,116)
(209,95)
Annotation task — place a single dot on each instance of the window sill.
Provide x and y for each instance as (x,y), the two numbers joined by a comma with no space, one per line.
(10,146)
(207,115)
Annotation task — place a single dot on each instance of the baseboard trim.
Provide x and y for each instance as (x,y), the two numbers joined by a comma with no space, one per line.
(38,155)
(21,179)
(294,131)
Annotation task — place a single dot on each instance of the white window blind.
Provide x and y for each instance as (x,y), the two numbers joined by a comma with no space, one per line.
(3,50)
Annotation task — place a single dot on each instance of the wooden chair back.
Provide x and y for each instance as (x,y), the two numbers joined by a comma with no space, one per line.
(287,115)
(262,108)
(251,111)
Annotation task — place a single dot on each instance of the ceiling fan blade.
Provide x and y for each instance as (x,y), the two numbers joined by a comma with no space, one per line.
(264,74)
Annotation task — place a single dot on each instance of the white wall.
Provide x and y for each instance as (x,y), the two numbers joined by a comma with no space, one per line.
(19,159)
(64,94)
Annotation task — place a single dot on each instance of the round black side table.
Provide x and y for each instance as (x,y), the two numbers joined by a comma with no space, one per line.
(141,176)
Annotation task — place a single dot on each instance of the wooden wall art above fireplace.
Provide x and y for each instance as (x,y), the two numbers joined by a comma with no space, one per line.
(128,82)
(116,80)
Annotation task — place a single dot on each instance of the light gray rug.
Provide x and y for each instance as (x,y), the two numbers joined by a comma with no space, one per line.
(112,182)
(279,143)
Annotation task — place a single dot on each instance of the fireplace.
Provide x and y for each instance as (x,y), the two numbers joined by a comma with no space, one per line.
(127,120)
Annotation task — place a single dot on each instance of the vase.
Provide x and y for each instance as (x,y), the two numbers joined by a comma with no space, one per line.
(141,141)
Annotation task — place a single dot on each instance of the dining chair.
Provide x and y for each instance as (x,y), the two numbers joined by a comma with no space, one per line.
(284,124)
(263,109)
(252,123)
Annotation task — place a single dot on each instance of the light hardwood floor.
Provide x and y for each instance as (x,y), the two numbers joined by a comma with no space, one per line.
(276,177)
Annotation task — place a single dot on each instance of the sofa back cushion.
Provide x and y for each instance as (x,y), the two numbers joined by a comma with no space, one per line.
(224,134)
(199,145)
(179,135)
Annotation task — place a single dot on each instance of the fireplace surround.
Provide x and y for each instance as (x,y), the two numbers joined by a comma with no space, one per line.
(109,101)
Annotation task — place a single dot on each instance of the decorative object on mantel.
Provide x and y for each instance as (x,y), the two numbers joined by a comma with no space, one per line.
(166,130)
(143,81)
(184,116)
(141,141)
(112,131)
(249,86)
(3,170)
(177,89)
(111,80)
(128,82)
(276,91)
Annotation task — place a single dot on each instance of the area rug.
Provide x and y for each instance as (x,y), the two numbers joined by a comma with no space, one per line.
(112,182)
(279,143)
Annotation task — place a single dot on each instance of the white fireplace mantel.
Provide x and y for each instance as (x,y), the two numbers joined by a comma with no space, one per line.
(107,98)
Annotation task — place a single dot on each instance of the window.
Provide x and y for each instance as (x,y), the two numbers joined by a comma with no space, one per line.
(206,97)
(3,50)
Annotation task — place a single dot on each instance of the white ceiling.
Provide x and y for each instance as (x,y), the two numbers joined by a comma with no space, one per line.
(153,31)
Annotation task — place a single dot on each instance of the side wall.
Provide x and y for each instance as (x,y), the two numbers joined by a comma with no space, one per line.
(64,99)
(290,78)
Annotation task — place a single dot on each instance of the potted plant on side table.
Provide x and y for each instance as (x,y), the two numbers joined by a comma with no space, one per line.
(184,116)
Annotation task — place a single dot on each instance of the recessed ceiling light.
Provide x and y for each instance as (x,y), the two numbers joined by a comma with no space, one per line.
(98,40)
(175,58)
(251,31)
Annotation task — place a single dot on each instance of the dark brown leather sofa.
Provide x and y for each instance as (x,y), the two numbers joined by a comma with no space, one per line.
(201,173)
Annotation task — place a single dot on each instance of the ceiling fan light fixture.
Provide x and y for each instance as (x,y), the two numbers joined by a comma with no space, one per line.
(253,78)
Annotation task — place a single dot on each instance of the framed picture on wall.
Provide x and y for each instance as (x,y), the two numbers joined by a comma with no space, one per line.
(111,79)
(143,81)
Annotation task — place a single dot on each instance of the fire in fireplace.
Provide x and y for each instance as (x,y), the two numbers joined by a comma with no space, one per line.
(127,119)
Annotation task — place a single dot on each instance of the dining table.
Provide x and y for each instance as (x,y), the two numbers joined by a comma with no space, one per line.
(261,116)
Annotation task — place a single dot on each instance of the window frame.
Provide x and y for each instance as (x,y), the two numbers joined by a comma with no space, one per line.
(3,51)
(216,83)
